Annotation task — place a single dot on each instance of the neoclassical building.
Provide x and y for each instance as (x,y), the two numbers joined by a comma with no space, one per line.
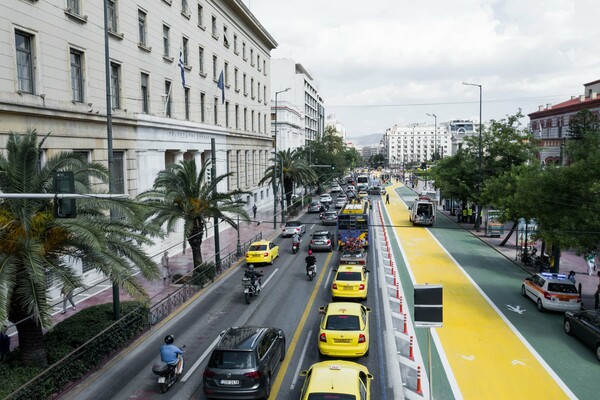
(181,72)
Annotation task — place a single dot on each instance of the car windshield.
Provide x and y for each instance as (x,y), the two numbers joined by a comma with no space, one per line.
(293,223)
(258,247)
(330,396)
(348,276)
(343,323)
(352,255)
(224,359)
(329,214)
(314,204)
(562,288)
(320,237)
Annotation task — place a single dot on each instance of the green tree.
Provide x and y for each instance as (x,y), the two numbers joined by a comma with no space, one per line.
(295,170)
(181,193)
(36,248)
(377,160)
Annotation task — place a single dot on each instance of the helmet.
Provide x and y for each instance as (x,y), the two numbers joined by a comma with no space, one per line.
(251,267)
(169,339)
(310,252)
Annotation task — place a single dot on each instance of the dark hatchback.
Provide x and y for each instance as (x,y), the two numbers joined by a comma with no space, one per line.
(586,326)
(243,363)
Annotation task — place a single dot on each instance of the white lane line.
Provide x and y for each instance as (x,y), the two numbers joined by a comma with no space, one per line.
(269,278)
(201,359)
(301,361)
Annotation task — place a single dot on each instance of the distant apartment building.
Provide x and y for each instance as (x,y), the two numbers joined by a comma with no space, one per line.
(411,145)
(180,74)
(287,126)
(369,151)
(303,94)
(550,124)
(340,129)
(459,129)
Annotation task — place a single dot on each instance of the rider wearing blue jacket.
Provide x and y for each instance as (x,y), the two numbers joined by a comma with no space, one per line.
(169,353)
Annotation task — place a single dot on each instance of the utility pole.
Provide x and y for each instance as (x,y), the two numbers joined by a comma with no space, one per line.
(213,174)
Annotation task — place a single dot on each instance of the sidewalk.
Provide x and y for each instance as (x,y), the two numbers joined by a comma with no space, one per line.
(569,260)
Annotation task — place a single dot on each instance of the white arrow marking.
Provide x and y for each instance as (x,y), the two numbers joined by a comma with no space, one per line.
(468,358)
(517,362)
(516,309)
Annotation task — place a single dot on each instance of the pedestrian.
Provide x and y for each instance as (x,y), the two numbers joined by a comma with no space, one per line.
(164,263)
(4,343)
(597,294)
(591,262)
(571,276)
(67,295)
(387,198)
(254,210)
(464,215)
(470,214)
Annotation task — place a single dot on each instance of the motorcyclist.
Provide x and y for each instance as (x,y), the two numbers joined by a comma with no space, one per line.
(310,261)
(253,274)
(296,240)
(170,354)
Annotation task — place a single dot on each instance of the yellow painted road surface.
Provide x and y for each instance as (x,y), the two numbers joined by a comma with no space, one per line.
(487,358)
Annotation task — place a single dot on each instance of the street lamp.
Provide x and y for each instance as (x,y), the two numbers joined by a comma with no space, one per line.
(434,135)
(478,216)
(275,168)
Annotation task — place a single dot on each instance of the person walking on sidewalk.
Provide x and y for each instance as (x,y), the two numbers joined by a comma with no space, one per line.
(387,198)
(67,296)
(571,276)
(254,210)
(164,263)
(597,294)
(590,259)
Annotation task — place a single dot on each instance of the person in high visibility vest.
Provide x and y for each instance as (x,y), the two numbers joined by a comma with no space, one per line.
(464,215)
(470,214)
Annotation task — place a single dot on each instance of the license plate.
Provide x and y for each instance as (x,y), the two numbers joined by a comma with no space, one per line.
(318,242)
(348,288)
(162,379)
(341,340)
(229,382)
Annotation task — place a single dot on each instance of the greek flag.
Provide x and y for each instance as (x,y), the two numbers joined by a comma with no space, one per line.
(221,85)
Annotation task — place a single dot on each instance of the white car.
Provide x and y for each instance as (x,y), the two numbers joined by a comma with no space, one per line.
(552,292)
(326,199)
(336,188)
(340,202)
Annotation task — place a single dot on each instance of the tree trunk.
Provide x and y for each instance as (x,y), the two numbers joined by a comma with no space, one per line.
(195,241)
(31,336)
(512,230)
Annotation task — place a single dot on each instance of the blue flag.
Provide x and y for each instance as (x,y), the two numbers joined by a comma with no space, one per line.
(181,67)
(221,85)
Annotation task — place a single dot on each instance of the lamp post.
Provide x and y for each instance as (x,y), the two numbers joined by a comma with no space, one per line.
(275,167)
(478,216)
(434,135)
(238,249)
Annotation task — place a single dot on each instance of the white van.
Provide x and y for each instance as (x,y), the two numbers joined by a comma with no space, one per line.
(422,212)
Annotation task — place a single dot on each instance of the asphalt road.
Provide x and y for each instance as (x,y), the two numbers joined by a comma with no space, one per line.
(288,301)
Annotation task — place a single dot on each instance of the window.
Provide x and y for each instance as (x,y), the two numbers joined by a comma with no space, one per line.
(185,51)
(202,107)
(214,68)
(265,93)
(258,61)
(245,119)
(186,98)
(244,51)
(112,16)
(24,45)
(115,85)
(244,84)
(77,75)
(252,88)
(168,99)
(235,44)
(227,114)
(258,91)
(216,111)
(252,57)
(201,60)
(185,9)
(265,68)
(119,171)
(74,6)
(258,121)
(226,73)
(235,79)
(252,120)
(145,93)
(166,41)
(142,28)
(265,123)
(225,37)
(215,33)
(237,116)
(200,16)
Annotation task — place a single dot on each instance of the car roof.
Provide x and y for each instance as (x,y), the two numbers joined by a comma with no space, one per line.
(320,233)
(351,267)
(293,223)
(553,277)
(260,242)
(240,338)
(334,376)
(344,308)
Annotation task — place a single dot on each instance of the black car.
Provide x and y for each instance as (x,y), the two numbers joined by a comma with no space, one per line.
(586,326)
(243,363)
(376,190)
(321,240)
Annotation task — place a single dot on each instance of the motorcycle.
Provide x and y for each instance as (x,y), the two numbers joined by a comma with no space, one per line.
(251,290)
(311,271)
(295,247)
(166,374)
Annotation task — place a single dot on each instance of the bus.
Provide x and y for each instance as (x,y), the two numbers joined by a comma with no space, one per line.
(362,179)
(353,223)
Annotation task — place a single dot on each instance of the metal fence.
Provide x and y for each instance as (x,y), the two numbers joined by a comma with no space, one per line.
(71,369)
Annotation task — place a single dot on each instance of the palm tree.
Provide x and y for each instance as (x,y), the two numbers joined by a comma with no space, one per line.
(36,247)
(295,170)
(180,192)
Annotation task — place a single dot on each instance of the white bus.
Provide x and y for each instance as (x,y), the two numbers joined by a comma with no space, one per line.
(362,179)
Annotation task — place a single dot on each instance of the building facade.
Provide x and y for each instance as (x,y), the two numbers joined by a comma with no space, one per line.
(287,126)
(550,124)
(181,73)
(411,145)
(340,129)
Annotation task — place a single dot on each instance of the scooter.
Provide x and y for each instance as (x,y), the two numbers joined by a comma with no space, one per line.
(295,247)
(166,373)
(251,290)
(311,271)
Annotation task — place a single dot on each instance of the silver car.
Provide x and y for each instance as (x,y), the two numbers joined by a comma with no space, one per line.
(329,218)
(314,207)
(293,227)
(340,202)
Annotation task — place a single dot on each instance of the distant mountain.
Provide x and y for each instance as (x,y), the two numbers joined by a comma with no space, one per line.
(366,140)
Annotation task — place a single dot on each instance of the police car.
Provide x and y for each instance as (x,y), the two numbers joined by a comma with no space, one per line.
(552,292)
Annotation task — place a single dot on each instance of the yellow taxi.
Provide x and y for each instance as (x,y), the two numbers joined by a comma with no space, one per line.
(337,379)
(344,330)
(262,252)
(350,282)
(363,195)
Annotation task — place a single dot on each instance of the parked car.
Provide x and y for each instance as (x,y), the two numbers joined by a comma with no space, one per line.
(262,251)
(335,188)
(244,362)
(314,207)
(586,326)
(329,218)
(344,330)
(326,198)
(321,240)
(552,292)
(336,379)
(293,227)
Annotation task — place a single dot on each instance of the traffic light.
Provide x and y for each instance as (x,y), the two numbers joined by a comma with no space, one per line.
(208,175)
(332,167)
(64,182)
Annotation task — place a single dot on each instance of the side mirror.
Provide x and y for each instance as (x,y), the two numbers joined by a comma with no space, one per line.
(303,373)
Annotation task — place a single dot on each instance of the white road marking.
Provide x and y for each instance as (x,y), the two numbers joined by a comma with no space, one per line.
(517,362)
(468,358)
(201,359)
(301,361)
(327,279)
(516,309)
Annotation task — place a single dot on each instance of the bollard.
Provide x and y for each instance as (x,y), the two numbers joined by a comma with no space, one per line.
(394,275)
(401,305)
(397,291)
(405,330)
(419,390)
(410,351)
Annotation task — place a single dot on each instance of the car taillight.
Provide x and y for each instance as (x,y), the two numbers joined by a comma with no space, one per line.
(208,374)
(361,287)
(328,242)
(312,241)
(253,375)
(334,285)
(362,338)
(362,262)
(323,337)
(266,254)
(547,296)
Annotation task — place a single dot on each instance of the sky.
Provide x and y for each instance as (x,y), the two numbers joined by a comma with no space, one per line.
(383,62)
